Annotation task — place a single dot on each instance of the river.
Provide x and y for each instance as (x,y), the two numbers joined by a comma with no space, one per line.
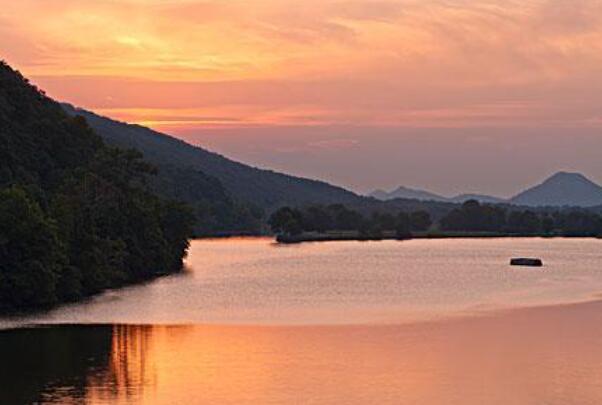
(249,321)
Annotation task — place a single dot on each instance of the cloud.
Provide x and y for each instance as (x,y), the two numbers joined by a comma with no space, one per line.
(405,63)
(334,144)
(383,11)
(570,17)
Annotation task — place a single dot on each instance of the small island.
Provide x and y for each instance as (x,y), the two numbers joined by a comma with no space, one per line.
(470,220)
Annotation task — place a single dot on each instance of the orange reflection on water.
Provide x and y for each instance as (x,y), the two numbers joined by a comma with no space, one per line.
(212,364)
(130,370)
(549,355)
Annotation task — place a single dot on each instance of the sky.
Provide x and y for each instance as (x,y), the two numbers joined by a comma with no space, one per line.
(452,96)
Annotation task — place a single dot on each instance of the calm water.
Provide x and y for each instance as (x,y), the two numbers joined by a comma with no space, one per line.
(346,322)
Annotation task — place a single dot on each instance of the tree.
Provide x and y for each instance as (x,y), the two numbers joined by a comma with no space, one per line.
(580,223)
(383,221)
(286,220)
(317,218)
(31,255)
(524,222)
(473,216)
(547,224)
(403,227)
(345,219)
(420,221)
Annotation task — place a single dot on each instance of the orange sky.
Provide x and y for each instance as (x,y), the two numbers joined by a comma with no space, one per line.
(195,67)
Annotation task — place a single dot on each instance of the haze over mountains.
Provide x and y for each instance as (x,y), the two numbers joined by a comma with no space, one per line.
(230,197)
(194,174)
(422,195)
(561,189)
(265,188)
(213,177)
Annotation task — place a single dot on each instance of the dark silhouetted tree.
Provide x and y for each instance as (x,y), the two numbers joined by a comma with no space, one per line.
(420,221)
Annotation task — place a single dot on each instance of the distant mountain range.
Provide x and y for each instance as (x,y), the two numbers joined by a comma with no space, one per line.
(407,193)
(561,189)
(232,196)
(422,195)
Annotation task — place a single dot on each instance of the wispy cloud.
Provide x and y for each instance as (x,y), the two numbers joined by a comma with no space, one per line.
(404,62)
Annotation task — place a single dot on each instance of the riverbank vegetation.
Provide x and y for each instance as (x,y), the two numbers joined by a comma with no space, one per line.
(182,177)
(76,216)
(339,219)
(471,219)
(475,217)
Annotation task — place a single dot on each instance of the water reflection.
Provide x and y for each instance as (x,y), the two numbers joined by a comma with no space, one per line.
(128,371)
(67,364)
(249,281)
(47,364)
(534,356)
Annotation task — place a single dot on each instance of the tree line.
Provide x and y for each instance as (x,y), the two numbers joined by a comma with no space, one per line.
(475,217)
(470,217)
(337,217)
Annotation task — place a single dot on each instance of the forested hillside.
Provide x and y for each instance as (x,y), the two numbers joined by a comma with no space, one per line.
(75,214)
(264,188)
(182,177)
(255,192)
(248,195)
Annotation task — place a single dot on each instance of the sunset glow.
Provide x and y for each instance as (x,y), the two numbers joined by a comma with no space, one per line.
(194,63)
(188,66)
(301,202)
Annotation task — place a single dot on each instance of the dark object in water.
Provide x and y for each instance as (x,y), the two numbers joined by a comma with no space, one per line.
(526,262)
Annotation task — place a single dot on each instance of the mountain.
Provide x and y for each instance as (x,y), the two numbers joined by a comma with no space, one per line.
(407,193)
(562,189)
(191,173)
(239,196)
(265,189)
(75,215)
(216,210)
(379,194)
(421,195)
(482,198)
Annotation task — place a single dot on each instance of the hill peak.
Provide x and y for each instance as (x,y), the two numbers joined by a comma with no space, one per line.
(562,189)
(568,176)
(406,193)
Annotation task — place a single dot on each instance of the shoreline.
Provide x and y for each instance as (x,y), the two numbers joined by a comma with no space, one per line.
(375,314)
(355,236)
(490,315)
(8,313)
